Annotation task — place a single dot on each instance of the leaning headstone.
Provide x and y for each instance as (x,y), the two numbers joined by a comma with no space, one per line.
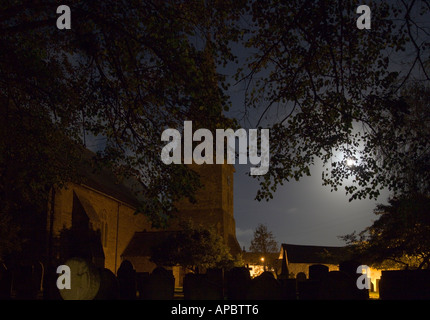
(109,286)
(317,272)
(5,282)
(127,281)
(237,282)
(265,287)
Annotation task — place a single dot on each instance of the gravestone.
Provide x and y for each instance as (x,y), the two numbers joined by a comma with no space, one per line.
(142,279)
(405,285)
(84,280)
(338,285)
(317,272)
(237,282)
(200,287)
(289,289)
(127,281)
(160,285)
(350,268)
(215,281)
(193,286)
(265,287)
(301,276)
(109,286)
(308,289)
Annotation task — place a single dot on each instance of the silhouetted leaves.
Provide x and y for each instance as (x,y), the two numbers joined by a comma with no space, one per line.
(331,92)
(195,248)
(125,71)
(399,236)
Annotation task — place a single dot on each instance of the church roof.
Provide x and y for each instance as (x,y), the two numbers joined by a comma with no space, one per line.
(314,254)
(142,243)
(104,180)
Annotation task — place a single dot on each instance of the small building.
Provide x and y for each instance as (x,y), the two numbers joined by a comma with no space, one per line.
(298,259)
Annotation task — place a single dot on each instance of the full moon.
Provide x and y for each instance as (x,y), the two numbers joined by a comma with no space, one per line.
(350,162)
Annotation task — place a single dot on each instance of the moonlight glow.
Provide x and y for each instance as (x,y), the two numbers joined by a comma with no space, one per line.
(350,162)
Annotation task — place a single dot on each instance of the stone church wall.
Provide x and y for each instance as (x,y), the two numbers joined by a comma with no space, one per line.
(115,220)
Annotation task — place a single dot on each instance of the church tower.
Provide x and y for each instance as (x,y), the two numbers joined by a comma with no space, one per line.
(214,202)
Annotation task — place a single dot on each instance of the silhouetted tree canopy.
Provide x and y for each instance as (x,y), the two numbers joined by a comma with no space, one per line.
(195,248)
(399,237)
(263,240)
(332,92)
(124,72)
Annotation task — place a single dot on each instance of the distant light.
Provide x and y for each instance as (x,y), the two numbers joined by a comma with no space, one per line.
(262,259)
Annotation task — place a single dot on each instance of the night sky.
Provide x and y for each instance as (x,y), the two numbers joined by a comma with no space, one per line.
(303,212)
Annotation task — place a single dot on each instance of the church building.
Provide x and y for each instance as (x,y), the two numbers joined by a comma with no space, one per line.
(96,218)
(213,208)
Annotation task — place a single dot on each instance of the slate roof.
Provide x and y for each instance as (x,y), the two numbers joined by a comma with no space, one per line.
(314,254)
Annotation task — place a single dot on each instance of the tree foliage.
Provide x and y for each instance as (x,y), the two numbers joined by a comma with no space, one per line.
(399,237)
(195,248)
(263,240)
(331,92)
(124,72)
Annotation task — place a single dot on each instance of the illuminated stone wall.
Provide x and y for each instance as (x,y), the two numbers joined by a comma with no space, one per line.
(115,219)
(117,222)
(214,206)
